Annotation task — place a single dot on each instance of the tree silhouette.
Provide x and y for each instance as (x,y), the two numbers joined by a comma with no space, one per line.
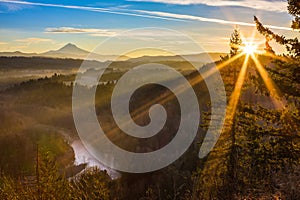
(292,45)
(235,42)
(294,10)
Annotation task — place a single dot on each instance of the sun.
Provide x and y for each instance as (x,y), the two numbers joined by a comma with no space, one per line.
(249,48)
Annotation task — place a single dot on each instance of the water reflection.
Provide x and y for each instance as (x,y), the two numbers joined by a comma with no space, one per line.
(83,156)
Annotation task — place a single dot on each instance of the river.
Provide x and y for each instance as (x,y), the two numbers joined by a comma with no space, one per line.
(83,156)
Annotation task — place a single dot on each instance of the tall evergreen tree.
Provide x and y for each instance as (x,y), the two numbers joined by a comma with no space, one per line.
(235,42)
(235,49)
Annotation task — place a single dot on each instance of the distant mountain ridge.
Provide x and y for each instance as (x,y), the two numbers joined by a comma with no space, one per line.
(72,51)
(68,51)
(18,54)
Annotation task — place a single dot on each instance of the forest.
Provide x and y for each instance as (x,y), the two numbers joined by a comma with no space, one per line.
(256,157)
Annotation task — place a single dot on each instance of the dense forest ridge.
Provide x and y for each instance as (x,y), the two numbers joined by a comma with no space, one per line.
(53,108)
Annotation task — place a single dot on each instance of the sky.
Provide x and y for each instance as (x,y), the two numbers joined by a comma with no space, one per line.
(39,25)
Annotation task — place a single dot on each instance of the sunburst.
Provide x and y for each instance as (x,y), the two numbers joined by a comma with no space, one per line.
(249,50)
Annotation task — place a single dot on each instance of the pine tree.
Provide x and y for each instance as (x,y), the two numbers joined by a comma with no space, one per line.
(292,45)
(51,184)
(294,10)
(235,42)
(93,184)
(268,48)
(235,49)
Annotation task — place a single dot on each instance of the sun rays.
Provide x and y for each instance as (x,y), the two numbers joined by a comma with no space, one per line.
(272,88)
(250,51)
(231,109)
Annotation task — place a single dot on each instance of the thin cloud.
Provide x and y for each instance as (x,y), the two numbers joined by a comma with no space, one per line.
(91,31)
(203,19)
(277,6)
(87,8)
(14,7)
(103,34)
(149,14)
(33,40)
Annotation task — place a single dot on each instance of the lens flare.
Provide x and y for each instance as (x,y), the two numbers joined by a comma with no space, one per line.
(249,49)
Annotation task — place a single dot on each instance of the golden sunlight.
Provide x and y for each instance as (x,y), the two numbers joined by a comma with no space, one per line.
(249,48)
(235,96)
